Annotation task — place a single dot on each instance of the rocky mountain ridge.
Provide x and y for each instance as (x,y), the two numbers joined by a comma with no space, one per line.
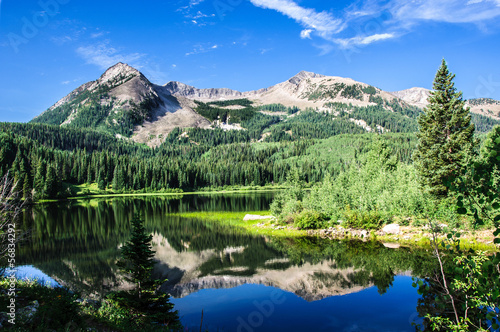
(124,102)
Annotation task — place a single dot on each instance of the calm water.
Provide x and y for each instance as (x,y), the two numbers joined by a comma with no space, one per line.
(241,282)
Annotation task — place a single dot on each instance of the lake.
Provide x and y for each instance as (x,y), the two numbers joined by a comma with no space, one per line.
(241,282)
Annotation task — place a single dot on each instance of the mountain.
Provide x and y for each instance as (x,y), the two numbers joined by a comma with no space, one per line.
(125,103)
(122,95)
(483,106)
(414,96)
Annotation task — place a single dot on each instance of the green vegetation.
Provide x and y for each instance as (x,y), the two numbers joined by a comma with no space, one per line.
(349,91)
(82,158)
(48,304)
(483,124)
(370,192)
(279,108)
(381,185)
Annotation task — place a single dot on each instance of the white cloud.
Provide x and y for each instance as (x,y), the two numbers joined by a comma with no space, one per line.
(193,3)
(363,40)
(199,14)
(366,22)
(306,34)
(97,34)
(323,22)
(450,11)
(61,40)
(104,56)
(202,48)
(71,81)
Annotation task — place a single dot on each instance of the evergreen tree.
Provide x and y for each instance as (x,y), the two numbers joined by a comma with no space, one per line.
(51,184)
(118,182)
(39,181)
(445,135)
(146,305)
(137,256)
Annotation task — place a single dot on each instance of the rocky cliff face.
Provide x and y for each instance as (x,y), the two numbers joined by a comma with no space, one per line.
(179,89)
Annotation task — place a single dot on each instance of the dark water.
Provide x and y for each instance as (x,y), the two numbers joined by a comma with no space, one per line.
(241,282)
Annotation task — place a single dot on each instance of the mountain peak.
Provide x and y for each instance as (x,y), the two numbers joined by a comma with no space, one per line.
(303,75)
(119,70)
(414,96)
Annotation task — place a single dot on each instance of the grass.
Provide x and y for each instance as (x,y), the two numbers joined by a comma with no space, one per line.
(92,191)
(257,227)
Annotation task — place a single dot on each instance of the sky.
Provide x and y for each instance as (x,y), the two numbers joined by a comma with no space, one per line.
(50,47)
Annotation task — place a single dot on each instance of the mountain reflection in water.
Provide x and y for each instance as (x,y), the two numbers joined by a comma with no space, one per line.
(77,244)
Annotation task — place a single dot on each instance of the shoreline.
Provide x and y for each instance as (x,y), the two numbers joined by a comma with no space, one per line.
(140,194)
(409,236)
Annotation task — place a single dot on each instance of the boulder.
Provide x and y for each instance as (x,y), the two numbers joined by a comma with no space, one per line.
(26,314)
(391,229)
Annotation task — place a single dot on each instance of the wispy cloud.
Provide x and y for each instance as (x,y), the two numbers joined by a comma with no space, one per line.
(104,55)
(193,3)
(364,40)
(202,48)
(61,40)
(323,22)
(451,11)
(98,34)
(306,33)
(70,81)
(198,18)
(364,23)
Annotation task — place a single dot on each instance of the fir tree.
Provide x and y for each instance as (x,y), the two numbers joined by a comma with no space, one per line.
(146,305)
(137,256)
(445,135)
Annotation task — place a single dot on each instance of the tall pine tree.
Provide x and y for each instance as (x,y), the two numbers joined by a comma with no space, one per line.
(445,135)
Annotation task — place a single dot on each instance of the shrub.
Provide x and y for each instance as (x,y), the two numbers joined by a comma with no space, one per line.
(308,219)
(363,219)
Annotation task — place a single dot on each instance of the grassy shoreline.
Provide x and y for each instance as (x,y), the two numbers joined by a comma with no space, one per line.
(410,236)
(208,191)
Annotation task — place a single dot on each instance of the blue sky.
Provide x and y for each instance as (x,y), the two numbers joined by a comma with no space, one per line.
(50,47)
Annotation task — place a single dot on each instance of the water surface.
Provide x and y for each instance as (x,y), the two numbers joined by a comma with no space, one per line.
(240,281)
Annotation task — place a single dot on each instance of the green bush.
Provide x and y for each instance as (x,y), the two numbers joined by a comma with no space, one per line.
(51,303)
(363,219)
(308,219)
